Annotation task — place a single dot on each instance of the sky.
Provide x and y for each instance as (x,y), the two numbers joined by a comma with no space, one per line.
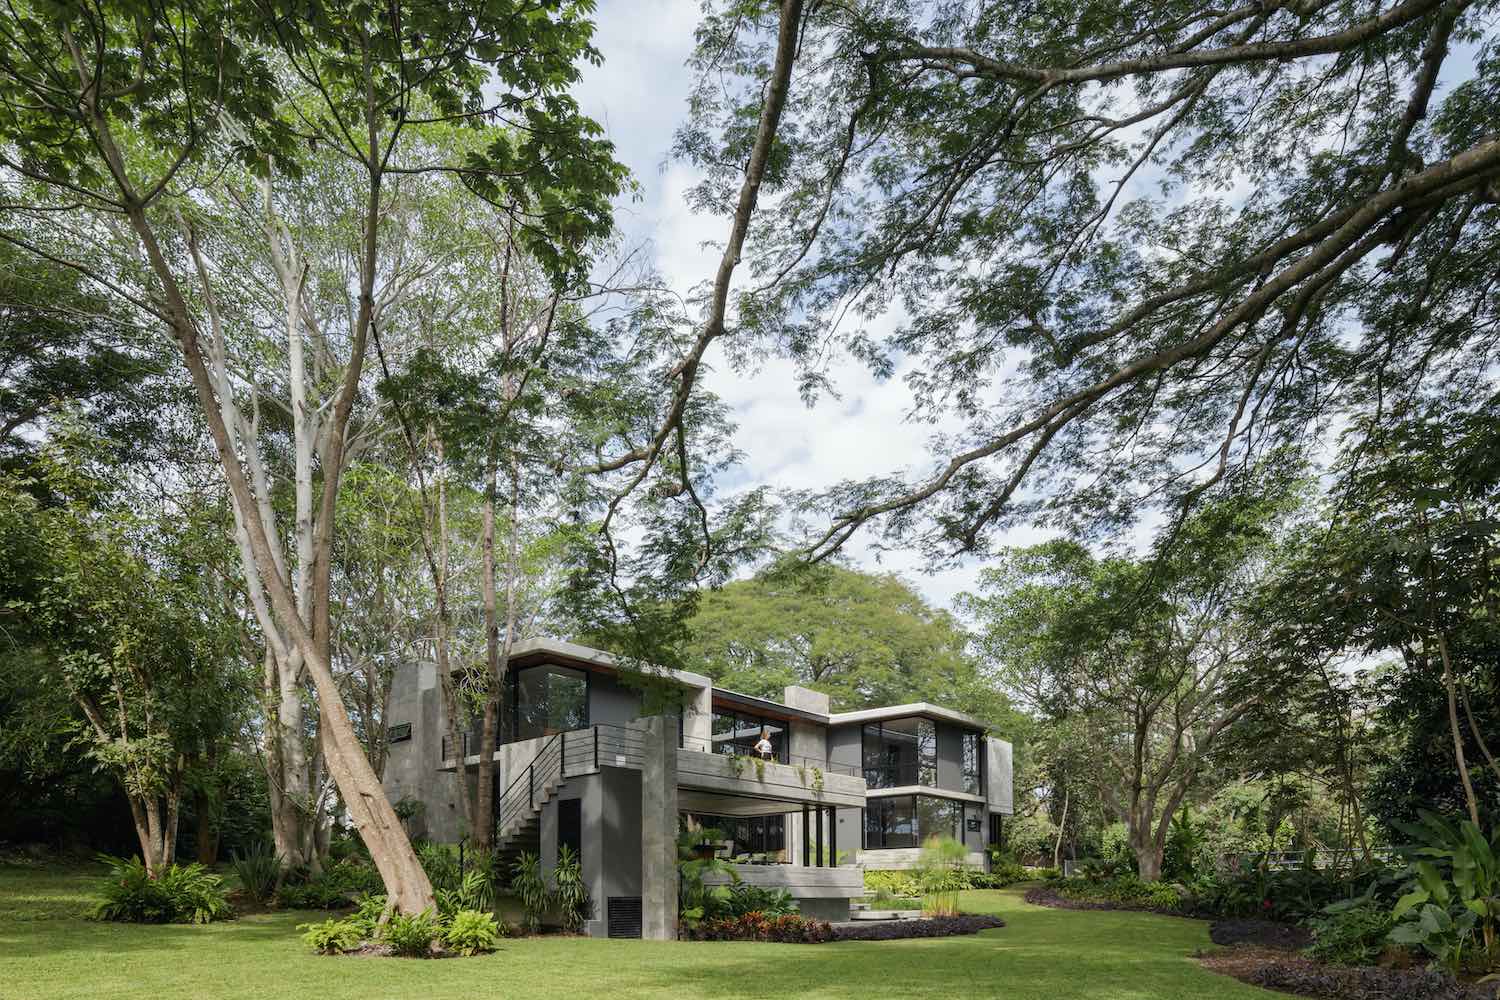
(640,96)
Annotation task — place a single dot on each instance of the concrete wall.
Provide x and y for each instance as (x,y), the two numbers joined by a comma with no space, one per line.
(949,757)
(611,702)
(845,746)
(411,769)
(999,778)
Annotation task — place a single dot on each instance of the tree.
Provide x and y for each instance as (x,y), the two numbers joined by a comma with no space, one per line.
(1138,656)
(1408,564)
(863,639)
(1112,246)
(122,606)
(119,106)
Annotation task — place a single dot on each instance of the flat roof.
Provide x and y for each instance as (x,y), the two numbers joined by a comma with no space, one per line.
(588,656)
(922,708)
(597,658)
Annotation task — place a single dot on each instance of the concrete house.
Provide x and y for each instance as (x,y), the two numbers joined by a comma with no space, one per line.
(587,756)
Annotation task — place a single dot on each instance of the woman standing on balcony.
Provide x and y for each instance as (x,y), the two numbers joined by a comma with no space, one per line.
(764,747)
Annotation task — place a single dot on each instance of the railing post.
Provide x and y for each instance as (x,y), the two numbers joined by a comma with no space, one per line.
(596,748)
(531,784)
(562,757)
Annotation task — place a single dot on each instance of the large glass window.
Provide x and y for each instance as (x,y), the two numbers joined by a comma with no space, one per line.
(546,700)
(750,835)
(909,820)
(738,733)
(900,752)
(971,763)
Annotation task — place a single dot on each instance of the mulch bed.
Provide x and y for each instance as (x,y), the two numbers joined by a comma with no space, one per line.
(892,930)
(1265,933)
(1267,954)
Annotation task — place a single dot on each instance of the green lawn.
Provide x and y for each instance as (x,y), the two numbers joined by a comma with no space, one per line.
(48,951)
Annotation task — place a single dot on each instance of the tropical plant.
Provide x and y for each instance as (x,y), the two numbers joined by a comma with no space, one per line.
(941,859)
(367,914)
(412,935)
(1350,931)
(745,898)
(475,891)
(571,894)
(258,870)
(531,889)
(471,932)
(331,937)
(697,901)
(1442,914)
(179,894)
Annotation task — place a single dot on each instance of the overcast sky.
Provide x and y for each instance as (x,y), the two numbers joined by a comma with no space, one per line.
(640,96)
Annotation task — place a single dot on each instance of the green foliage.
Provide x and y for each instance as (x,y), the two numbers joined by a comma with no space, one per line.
(695,900)
(471,932)
(334,888)
(1124,889)
(939,874)
(745,898)
(756,926)
(1452,911)
(865,639)
(898,883)
(180,894)
(531,889)
(257,869)
(1350,932)
(412,935)
(367,913)
(570,893)
(332,937)
(475,891)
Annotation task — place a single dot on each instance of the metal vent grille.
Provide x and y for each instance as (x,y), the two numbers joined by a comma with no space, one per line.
(624,916)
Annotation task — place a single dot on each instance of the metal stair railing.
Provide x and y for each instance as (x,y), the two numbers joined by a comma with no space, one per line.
(565,755)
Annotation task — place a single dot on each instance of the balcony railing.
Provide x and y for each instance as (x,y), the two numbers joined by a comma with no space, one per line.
(779,756)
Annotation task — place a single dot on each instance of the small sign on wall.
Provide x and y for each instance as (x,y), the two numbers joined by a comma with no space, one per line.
(398,733)
(973,824)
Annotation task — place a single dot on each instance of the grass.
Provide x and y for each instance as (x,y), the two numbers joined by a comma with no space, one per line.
(47,950)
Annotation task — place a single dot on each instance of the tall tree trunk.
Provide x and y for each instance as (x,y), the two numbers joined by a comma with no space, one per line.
(482,831)
(451,705)
(1453,727)
(1061,827)
(207,846)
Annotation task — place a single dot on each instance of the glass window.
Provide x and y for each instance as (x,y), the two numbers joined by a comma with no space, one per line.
(971,763)
(909,820)
(740,732)
(900,752)
(890,823)
(750,834)
(547,700)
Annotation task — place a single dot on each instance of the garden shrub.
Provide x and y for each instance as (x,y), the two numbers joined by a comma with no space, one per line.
(1350,933)
(894,930)
(941,875)
(440,862)
(412,935)
(569,892)
(471,932)
(531,889)
(893,882)
(180,894)
(257,869)
(336,887)
(745,898)
(366,915)
(787,929)
(330,937)
(474,891)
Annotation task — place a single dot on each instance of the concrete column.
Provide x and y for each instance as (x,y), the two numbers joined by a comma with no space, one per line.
(659,829)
